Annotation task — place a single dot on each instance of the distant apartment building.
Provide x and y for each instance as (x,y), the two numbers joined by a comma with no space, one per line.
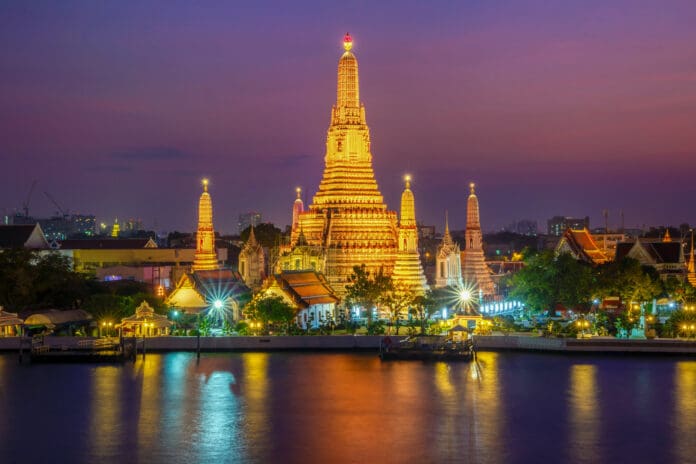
(557,225)
(425,232)
(252,218)
(60,227)
(522,227)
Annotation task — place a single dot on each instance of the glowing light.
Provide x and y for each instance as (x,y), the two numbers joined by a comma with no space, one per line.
(465,295)
(347,42)
(217,304)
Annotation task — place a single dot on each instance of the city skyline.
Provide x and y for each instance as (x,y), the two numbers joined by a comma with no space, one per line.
(570,110)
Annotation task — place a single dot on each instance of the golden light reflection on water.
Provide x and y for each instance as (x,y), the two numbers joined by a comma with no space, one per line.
(483,379)
(106,407)
(254,388)
(584,413)
(685,410)
(443,382)
(148,373)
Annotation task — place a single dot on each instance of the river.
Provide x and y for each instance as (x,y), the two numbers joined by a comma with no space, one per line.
(347,407)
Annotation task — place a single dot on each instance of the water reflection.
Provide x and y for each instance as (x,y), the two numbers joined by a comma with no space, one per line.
(148,373)
(106,406)
(483,440)
(685,410)
(255,389)
(290,407)
(584,414)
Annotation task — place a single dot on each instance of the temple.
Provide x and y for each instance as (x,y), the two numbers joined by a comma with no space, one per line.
(252,262)
(347,221)
(205,258)
(474,268)
(448,262)
(408,271)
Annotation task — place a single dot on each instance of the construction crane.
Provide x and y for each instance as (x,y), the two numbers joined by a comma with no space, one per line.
(53,200)
(25,205)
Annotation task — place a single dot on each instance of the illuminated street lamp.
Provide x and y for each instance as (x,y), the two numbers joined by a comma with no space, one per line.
(583,325)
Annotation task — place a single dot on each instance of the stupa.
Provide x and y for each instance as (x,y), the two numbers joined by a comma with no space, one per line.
(474,268)
(408,271)
(348,219)
(205,258)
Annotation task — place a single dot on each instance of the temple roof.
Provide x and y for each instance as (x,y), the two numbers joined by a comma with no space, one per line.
(306,287)
(659,252)
(145,313)
(9,318)
(22,236)
(580,244)
(196,290)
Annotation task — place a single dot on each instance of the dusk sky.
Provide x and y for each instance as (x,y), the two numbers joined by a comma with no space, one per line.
(552,108)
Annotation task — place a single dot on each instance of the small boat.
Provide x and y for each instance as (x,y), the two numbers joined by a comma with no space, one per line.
(88,350)
(426,348)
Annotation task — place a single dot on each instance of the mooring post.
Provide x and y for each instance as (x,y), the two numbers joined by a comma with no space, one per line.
(198,337)
(21,345)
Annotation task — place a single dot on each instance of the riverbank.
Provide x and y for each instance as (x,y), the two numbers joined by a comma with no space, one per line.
(214,344)
(599,345)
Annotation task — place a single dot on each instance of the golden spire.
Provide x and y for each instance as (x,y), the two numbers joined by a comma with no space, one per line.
(447,238)
(667,237)
(408,205)
(252,237)
(347,42)
(297,209)
(205,257)
(348,90)
(472,210)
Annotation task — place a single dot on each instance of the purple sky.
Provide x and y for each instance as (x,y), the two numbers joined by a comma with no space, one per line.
(119,108)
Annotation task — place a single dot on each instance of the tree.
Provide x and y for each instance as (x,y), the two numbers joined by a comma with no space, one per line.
(270,309)
(423,308)
(367,291)
(548,280)
(398,303)
(628,280)
(29,279)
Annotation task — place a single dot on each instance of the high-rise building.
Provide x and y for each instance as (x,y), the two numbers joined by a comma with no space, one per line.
(474,268)
(557,225)
(348,219)
(408,271)
(205,258)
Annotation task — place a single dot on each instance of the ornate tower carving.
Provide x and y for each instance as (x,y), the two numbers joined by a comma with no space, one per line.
(252,262)
(448,270)
(408,271)
(205,257)
(474,269)
(347,218)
